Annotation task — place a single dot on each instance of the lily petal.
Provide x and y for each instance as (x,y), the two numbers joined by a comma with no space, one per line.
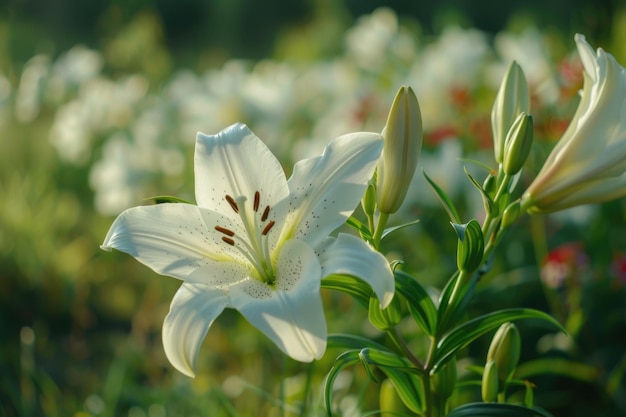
(291,315)
(236,162)
(349,255)
(326,189)
(192,312)
(172,239)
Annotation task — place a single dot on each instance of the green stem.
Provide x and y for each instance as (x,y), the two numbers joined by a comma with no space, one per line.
(380,228)
(400,343)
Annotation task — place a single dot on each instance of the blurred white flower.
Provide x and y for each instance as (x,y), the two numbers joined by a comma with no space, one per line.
(529,50)
(30,90)
(454,60)
(376,41)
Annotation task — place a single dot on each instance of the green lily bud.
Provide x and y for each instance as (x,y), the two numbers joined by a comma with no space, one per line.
(401,149)
(471,245)
(444,381)
(489,385)
(505,351)
(489,185)
(517,144)
(390,402)
(384,318)
(368,202)
(512,99)
(510,215)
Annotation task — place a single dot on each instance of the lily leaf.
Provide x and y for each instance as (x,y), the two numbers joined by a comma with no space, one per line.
(452,306)
(445,200)
(348,358)
(167,199)
(360,227)
(487,202)
(420,304)
(466,333)
(557,366)
(390,230)
(496,410)
(406,378)
(350,285)
(350,341)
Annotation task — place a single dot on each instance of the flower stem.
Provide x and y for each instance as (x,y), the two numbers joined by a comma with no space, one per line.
(380,228)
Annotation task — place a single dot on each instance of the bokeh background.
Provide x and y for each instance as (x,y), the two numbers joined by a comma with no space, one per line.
(99,105)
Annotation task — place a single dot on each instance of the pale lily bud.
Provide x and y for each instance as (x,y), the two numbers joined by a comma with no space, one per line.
(588,164)
(401,149)
(512,99)
(505,350)
(517,145)
(489,385)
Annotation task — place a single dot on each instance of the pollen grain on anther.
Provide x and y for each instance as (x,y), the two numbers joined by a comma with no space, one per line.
(224,230)
(257,200)
(266,213)
(233,203)
(268,228)
(228,240)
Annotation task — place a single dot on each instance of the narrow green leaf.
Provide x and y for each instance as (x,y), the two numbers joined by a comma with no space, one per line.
(557,366)
(390,230)
(388,359)
(418,300)
(496,410)
(360,227)
(406,378)
(409,387)
(350,341)
(487,202)
(466,333)
(167,199)
(476,163)
(445,200)
(452,304)
(348,358)
(350,285)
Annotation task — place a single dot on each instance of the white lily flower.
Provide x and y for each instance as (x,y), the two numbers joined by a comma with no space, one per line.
(257,242)
(588,164)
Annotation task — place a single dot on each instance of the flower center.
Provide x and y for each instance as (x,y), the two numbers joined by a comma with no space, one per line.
(254,246)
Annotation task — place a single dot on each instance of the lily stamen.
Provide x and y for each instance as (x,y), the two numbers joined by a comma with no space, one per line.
(268,228)
(257,199)
(232,203)
(224,230)
(266,213)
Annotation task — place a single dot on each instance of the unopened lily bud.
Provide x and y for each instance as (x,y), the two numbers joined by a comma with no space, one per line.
(401,149)
(470,247)
(505,351)
(517,144)
(384,318)
(489,384)
(368,202)
(390,402)
(512,99)
(490,184)
(510,215)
